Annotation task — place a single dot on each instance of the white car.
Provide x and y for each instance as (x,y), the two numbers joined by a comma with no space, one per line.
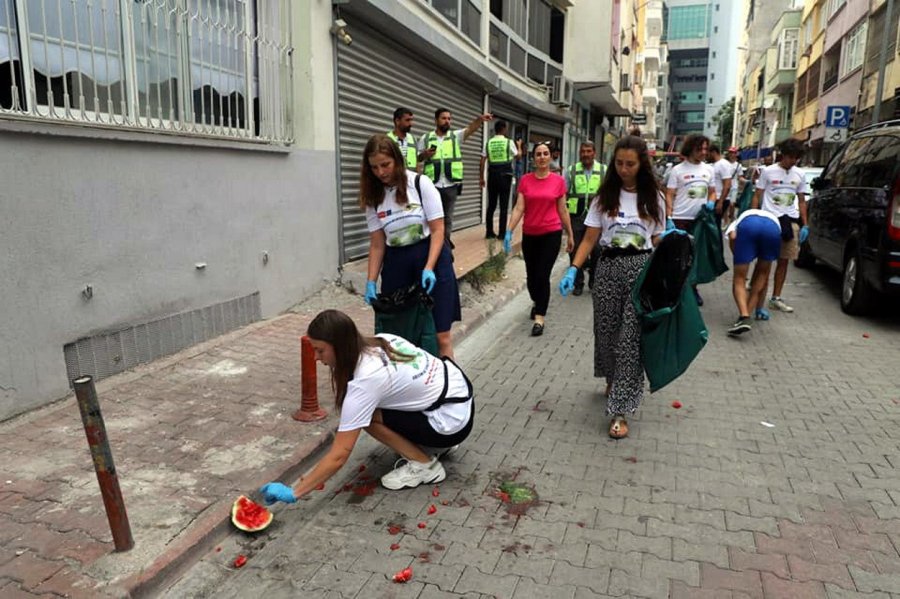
(811,173)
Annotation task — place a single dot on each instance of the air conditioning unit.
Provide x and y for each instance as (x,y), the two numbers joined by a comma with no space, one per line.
(561,91)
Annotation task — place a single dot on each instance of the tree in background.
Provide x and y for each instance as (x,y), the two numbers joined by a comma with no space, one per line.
(724,120)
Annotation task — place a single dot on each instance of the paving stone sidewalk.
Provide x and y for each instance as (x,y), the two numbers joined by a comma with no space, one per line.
(777,477)
(188,434)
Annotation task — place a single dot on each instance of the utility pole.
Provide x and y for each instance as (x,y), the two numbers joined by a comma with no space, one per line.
(882,61)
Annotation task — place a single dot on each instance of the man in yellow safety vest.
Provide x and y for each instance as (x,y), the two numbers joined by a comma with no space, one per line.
(499,154)
(584,179)
(403,122)
(441,154)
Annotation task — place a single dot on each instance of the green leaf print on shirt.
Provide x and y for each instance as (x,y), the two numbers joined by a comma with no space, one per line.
(784,199)
(698,191)
(407,235)
(402,346)
(624,239)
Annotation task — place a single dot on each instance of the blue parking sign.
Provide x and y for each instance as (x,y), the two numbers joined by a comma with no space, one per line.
(837,116)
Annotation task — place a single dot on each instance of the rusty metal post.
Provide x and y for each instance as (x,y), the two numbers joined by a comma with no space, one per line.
(309,389)
(95,429)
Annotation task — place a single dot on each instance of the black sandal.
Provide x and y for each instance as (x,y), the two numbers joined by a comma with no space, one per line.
(537,330)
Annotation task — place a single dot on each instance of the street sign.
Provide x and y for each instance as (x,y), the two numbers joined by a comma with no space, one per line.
(835,134)
(837,116)
(639,118)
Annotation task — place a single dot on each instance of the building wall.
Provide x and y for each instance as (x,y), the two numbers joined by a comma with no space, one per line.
(723,55)
(132,213)
(891,75)
(806,115)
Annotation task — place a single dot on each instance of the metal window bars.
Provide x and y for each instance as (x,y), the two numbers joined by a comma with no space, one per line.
(209,68)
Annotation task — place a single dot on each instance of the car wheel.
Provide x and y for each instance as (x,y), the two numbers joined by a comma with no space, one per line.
(806,259)
(856,296)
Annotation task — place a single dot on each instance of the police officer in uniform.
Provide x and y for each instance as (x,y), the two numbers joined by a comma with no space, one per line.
(440,151)
(584,179)
(499,153)
(403,122)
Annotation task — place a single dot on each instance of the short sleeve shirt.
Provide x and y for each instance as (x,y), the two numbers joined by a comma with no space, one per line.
(781,190)
(406,386)
(691,184)
(541,214)
(442,181)
(626,229)
(722,170)
(407,224)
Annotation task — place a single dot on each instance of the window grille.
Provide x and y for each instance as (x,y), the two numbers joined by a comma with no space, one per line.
(209,68)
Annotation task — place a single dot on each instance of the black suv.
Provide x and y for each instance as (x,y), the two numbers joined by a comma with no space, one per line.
(854,219)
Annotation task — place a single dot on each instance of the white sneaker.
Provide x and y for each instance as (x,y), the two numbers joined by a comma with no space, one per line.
(776,303)
(413,474)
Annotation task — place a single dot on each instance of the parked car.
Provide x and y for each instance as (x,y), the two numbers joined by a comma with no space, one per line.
(854,221)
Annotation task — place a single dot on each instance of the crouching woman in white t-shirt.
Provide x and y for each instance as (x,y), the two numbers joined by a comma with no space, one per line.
(626,218)
(398,393)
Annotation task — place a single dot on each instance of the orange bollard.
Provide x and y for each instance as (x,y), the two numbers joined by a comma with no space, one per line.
(309,391)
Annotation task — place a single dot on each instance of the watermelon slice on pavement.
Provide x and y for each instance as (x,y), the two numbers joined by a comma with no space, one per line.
(250,516)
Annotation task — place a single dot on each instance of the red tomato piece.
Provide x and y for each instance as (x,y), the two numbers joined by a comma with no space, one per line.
(676,404)
(435,492)
(432,509)
(403,575)
(239,561)
(395,546)
(422,525)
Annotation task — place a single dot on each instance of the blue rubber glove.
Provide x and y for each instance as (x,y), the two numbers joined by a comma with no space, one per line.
(428,280)
(568,281)
(804,233)
(273,492)
(371,292)
(670,224)
(507,242)
(710,206)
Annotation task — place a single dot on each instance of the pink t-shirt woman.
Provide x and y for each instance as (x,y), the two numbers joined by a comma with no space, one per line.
(540,211)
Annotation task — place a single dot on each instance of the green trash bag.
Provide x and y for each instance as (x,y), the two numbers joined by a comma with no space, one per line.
(407,313)
(672,328)
(746,198)
(709,258)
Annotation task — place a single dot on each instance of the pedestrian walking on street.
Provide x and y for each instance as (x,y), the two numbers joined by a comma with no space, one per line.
(398,393)
(738,182)
(541,206)
(781,190)
(755,235)
(723,173)
(583,182)
(627,218)
(690,187)
(499,154)
(441,152)
(405,220)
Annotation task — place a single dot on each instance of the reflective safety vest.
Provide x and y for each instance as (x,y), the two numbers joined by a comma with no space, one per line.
(582,189)
(411,155)
(498,153)
(447,158)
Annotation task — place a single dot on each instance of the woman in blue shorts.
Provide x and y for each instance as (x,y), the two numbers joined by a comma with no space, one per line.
(755,235)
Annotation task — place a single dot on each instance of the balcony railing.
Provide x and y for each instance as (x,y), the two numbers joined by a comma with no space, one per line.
(651,58)
(508,48)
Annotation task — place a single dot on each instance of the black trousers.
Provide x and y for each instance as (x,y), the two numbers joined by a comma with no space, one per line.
(540,252)
(499,184)
(578,230)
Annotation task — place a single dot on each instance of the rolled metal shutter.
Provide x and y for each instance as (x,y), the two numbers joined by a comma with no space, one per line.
(501,109)
(375,76)
(545,127)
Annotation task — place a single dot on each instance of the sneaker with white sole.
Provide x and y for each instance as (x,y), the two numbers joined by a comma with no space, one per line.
(740,326)
(776,303)
(413,474)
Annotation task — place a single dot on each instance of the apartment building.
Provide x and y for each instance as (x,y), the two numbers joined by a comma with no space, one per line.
(806,118)
(879,29)
(724,39)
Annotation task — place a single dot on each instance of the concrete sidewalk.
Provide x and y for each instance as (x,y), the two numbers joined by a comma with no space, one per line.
(189,433)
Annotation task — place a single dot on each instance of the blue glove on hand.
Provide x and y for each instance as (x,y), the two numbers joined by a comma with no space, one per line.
(568,281)
(670,224)
(804,233)
(507,242)
(371,292)
(428,280)
(273,492)
(710,206)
